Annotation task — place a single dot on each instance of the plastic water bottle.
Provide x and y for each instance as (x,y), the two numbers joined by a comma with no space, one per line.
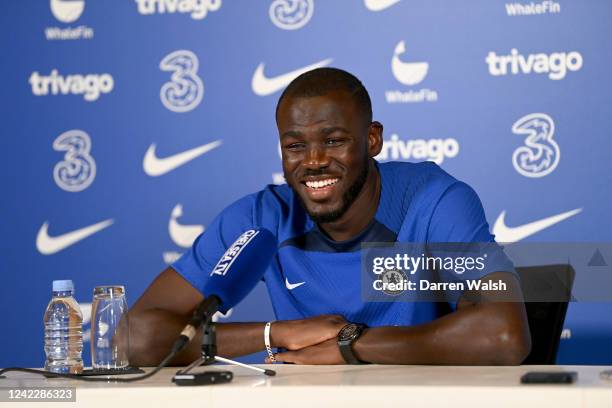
(63,330)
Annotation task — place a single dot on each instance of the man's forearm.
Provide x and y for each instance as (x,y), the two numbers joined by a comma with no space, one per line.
(154,331)
(481,334)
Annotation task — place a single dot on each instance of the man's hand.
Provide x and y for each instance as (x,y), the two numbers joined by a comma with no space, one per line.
(299,334)
(327,352)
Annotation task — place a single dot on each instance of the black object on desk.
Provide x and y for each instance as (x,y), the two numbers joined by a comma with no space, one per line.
(549,377)
(111,371)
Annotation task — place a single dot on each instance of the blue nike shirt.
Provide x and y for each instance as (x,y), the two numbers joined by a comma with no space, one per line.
(313,275)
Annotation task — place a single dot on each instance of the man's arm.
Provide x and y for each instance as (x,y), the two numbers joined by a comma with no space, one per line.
(485,332)
(160,314)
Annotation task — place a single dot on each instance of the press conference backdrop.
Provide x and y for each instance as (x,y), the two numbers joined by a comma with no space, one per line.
(127,125)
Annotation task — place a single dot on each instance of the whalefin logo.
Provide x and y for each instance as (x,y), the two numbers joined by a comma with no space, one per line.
(182,235)
(155,166)
(232,253)
(507,234)
(531,9)
(263,86)
(379,5)
(48,245)
(67,11)
(408,73)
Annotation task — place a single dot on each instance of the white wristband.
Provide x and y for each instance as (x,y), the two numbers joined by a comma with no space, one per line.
(267,342)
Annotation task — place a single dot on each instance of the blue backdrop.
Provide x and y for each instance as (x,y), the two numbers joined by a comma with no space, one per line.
(127,125)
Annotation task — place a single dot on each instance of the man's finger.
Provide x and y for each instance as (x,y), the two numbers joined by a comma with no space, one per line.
(287,357)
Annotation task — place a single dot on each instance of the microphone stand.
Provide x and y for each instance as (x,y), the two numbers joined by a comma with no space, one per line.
(209,353)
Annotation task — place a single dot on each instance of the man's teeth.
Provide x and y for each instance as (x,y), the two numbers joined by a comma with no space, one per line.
(321,183)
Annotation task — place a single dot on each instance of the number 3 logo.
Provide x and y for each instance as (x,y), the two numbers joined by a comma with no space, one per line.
(185,90)
(78,169)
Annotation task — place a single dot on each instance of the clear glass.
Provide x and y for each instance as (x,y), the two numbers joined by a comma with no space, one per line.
(110,338)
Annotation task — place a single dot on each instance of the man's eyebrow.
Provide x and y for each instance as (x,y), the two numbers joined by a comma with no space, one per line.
(329,130)
(291,133)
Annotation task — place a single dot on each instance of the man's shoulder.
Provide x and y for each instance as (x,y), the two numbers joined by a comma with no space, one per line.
(416,176)
(274,207)
(270,198)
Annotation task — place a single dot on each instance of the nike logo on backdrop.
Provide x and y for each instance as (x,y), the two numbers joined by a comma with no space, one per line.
(263,86)
(48,245)
(379,5)
(292,286)
(155,166)
(507,234)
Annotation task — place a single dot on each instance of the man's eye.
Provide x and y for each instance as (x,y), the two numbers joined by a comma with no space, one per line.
(334,142)
(295,146)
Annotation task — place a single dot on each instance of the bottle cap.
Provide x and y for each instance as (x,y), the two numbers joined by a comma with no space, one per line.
(63,286)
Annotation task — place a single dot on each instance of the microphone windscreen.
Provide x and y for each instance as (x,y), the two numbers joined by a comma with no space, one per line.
(241,267)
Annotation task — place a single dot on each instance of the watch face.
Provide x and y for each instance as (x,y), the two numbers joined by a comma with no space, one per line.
(349,331)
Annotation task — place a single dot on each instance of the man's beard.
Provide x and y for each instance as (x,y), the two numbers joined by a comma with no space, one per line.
(348,198)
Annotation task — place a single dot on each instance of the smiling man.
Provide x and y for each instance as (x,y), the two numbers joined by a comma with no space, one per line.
(336,198)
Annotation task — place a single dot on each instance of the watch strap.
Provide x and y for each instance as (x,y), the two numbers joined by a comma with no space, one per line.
(346,347)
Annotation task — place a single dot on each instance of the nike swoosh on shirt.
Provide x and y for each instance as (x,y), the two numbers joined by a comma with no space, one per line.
(507,234)
(48,245)
(263,86)
(379,5)
(292,286)
(155,166)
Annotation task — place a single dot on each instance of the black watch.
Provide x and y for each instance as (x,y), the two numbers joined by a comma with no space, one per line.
(346,337)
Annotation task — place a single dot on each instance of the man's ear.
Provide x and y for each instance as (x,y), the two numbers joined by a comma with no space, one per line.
(375,138)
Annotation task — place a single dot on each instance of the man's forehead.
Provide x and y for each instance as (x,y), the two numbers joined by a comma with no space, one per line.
(336,106)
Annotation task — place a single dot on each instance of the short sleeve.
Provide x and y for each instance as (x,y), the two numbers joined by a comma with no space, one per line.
(459,217)
(458,229)
(196,264)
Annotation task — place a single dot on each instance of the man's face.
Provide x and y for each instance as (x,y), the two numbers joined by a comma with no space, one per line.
(324,144)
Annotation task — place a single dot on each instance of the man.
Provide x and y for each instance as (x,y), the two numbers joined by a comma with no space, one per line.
(337,197)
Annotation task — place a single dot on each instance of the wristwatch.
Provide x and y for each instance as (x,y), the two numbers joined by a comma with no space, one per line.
(346,337)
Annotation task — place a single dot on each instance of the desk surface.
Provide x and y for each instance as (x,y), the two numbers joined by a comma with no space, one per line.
(371,386)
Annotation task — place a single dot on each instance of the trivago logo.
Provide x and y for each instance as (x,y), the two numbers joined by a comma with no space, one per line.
(197,9)
(436,150)
(556,65)
(89,85)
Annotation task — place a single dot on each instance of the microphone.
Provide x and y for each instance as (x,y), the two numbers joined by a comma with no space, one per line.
(238,271)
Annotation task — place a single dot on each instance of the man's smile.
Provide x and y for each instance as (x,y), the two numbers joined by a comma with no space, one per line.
(321,188)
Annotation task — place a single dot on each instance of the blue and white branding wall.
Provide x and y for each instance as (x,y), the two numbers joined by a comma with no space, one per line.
(127,125)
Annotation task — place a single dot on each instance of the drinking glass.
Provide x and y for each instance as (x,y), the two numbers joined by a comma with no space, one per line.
(110,340)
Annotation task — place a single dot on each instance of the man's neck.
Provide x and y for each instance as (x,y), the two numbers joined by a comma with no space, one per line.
(360,213)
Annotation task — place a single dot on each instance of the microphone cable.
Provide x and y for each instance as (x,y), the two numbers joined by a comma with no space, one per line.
(178,346)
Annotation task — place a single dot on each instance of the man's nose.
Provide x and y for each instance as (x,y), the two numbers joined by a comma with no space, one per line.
(316,157)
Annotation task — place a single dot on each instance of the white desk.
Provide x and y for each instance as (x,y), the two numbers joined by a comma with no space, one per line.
(372,386)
